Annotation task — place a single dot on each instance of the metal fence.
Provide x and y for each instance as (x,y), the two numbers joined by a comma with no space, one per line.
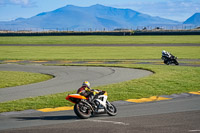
(66,29)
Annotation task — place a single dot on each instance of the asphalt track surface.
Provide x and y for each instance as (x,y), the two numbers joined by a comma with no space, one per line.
(66,78)
(181,115)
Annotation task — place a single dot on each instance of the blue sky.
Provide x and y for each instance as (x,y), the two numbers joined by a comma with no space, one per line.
(178,10)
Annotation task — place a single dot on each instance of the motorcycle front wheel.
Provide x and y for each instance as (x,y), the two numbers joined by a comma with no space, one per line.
(82,110)
(111,109)
(176,62)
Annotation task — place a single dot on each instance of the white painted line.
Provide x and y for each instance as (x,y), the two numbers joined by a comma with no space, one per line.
(194,130)
(113,122)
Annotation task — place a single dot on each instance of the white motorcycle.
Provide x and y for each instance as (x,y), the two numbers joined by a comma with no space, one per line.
(83,109)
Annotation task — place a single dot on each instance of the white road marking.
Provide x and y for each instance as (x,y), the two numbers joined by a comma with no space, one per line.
(194,130)
(113,122)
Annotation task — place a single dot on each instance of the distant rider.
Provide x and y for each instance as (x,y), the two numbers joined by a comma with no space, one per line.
(166,54)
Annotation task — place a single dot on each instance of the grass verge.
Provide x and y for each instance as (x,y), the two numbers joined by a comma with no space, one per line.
(13,78)
(100,39)
(166,80)
(94,53)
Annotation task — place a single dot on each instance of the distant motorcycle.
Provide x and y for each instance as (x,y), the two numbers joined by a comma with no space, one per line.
(84,109)
(170,59)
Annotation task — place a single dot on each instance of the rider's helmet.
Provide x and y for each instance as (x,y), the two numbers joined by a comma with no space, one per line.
(163,52)
(86,83)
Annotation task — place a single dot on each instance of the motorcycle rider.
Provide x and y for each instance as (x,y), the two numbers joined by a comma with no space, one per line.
(166,54)
(169,58)
(86,91)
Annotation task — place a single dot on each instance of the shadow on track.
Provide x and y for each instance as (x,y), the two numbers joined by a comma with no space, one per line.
(47,118)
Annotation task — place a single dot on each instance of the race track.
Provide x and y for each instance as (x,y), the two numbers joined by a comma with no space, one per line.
(181,114)
(66,78)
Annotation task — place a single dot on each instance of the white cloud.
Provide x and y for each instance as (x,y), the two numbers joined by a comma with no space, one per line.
(23,3)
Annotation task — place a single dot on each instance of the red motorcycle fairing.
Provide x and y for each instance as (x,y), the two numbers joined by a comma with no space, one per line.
(74,98)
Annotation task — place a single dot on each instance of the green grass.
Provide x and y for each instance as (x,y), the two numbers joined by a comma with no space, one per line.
(13,78)
(100,39)
(94,53)
(166,80)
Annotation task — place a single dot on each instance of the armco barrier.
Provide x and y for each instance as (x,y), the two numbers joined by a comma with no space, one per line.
(65,33)
(109,33)
(191,32)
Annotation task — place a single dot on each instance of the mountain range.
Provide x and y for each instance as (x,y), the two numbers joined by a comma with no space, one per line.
(97,17)
(194,19)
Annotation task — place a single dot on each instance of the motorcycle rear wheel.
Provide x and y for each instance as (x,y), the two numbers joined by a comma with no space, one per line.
(82,110)
(168,62)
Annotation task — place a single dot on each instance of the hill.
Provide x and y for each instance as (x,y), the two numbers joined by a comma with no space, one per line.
(97,17)
(194,19)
